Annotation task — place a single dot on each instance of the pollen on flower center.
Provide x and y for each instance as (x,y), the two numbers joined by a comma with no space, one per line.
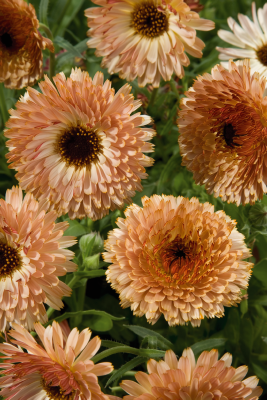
(262,54)
(56,393)
(148,20)
(6,39)
(79,146)
(10,260)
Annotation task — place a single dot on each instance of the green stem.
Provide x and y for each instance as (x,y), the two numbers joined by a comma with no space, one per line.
(73,281)
(153,96)
(3,106)
(80,303)
(50,312)
(52,55)
(127,349)
(173,88)
(60,17)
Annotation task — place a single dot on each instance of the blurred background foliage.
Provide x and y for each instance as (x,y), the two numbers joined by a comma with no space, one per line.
(243,330)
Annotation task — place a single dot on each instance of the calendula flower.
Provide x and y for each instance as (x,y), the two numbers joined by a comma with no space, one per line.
(194,5)
(207,378)
(177,257)
(21,44)
(223,130)
(59,369)
(81,148)
(33,255)
(145,38)
(249,40)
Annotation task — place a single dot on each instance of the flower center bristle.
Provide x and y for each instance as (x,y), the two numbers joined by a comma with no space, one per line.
(56,393)
(79,146)
(229,134)
(6,39)
(174,256)
(262,54)
(148,20)
(10,260)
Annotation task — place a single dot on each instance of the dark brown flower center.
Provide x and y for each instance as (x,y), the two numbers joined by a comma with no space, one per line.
(56,393)
(6,39)
(262,54)
(148,20)
(229,134)
(79,146)
(174,256)
(10,260)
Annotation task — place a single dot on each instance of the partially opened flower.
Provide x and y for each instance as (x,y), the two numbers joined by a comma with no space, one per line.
(33,255)
(177,257)
(59,369)
(145,38)
(223,133)
(81,148)
(21,44)
(249,40)
(208,378)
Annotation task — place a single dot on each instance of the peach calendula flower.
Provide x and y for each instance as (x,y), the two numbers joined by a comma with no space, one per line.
(21,44)
(177,257)
(59,369)
(145,38)
(249,40)
(223,133)
(81,148)
(207,378)
(33,255)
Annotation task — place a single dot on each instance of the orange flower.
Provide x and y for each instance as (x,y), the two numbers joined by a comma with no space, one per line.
(145,38)
(223,126)
(208,378)
(32,255)
(178,258)
(59,369)
(21,44)
(82,149)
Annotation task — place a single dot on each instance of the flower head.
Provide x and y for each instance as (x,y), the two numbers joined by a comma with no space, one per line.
(177,257)
(249,40)
(60,368)
(32,255)
(208,378)
(223,133)
(21,44)
(145,38)
(81,148)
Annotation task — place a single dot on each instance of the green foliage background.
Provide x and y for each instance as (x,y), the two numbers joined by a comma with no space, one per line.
(243,330)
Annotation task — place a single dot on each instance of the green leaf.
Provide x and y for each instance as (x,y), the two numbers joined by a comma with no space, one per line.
(150,353)
(75,229)
(64,58)
(247,337)
(207,344)
(144,332)
(168,126)
(260,271)
(65,44)
(87,312)
(110,344)
(90,274)
(167,173)
(150,342)
(43,9)
(99,323)
(260,372)
(125,368)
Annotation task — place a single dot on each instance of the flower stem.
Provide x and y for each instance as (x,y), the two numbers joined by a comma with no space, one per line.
(52,55)
(3,106)
(174,88)
(153,96)
(50,311)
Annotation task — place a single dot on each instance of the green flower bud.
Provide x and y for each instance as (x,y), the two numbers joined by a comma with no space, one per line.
(91,262)
(258,215)
(90,244)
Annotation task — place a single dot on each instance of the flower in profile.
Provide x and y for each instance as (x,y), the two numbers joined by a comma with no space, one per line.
(81,148)
(208,378)
(194,5)
(249,40)
(177,257)
(145,38)
(223,134)
(33,255)
(21,44)
(60,368)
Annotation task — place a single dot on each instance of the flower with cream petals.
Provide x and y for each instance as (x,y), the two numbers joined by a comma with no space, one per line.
(145,38)
(207,378)
(59,369)
(33,255)
(21,44)
(223,133)
(177,257)
(249,40)
(77,144)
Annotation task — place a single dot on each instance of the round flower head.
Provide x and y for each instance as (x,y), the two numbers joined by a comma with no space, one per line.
(208,378)
(32,255)
(223,134)
(21,44)
(178,258)
(145,38)
(78,145)
(60,369)
(249,40)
